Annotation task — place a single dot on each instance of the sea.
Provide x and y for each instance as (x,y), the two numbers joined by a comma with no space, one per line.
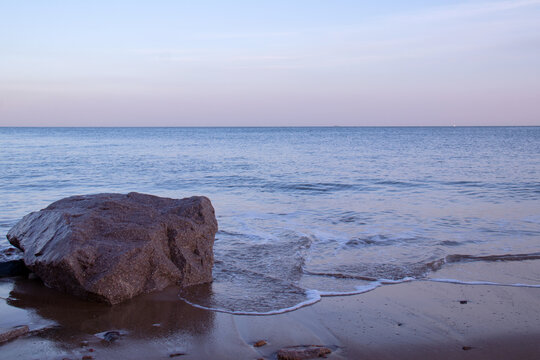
(305,212)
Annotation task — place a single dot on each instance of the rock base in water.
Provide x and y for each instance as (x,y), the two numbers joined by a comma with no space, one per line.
(112,247)
(12,263)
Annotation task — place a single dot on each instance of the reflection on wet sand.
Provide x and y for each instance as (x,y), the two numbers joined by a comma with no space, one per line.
(147,316)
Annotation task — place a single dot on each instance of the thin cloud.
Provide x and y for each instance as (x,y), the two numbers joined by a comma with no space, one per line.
(248,35)
(466,10)
(210,56)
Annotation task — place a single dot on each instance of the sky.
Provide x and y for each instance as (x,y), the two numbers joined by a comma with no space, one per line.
(269,63)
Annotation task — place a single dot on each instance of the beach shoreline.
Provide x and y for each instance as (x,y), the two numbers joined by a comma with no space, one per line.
(417,319)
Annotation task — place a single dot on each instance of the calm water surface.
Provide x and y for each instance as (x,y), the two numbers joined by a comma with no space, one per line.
(302,212)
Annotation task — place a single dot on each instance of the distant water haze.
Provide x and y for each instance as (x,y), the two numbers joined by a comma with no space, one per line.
(271,63)
(307,212)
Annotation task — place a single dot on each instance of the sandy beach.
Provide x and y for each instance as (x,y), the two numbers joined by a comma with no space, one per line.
(419,319)
(275,180)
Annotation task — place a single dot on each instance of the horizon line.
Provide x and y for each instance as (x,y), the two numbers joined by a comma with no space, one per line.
(256,126)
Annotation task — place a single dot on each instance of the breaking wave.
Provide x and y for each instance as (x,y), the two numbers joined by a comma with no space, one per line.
(247,292)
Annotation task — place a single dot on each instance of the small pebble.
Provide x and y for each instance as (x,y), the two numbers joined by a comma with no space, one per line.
(463,302)
(112,336)
(303,352)
(260,343)
(176,354)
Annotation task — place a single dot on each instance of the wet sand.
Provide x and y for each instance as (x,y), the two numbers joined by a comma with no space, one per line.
(419,319)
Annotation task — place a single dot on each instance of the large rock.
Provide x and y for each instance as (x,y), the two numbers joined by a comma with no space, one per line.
(111,247)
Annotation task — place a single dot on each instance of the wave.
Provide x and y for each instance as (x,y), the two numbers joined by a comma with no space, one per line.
(251,182)
(461,282)
(339,275)
(420,270)
(403,184)
(315,187)
(529,189)
(312,297)
(456,258)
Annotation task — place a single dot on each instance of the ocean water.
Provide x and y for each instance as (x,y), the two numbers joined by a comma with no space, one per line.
(304,212)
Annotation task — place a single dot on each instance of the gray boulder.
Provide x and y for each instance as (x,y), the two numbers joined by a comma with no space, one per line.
(112,247)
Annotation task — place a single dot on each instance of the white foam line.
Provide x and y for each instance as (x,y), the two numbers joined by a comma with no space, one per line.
(390,281)
(460,282)
(359,290)
(314,296)
(365,288)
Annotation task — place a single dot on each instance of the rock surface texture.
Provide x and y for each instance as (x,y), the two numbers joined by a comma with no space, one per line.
(112,247)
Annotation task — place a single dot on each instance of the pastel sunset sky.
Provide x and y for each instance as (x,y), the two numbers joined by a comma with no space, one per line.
(269,63)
